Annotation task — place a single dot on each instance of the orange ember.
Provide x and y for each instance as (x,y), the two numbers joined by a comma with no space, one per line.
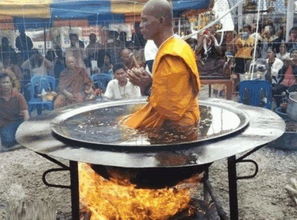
(110,199)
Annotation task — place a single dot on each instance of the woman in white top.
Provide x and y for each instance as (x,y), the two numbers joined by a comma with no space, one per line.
(120,87)
(283,53)
(274,65)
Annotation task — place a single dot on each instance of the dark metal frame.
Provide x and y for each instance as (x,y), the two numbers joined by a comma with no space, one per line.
(232,179)
(74,182)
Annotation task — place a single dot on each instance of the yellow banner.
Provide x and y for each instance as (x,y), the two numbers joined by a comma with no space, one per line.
(26,8)
(124,7)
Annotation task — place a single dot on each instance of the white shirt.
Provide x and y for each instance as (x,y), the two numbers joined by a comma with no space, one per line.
(150,50)
(115,91)
(41,70)
(284,56)
(276,66)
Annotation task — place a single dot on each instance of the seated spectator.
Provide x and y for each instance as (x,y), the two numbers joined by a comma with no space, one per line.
(123,39)
(274,65)
(292,42)
(281,38)
(128,59)
(50,55)
(120,87)
(14,111)
(283,53)
(75,85)
(139,58)
(13,71)
(287,77)
(269,39)
(107,65)
(37,64)
(6,50)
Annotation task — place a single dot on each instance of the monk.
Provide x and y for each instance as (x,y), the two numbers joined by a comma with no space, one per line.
(174,84)
(74,84)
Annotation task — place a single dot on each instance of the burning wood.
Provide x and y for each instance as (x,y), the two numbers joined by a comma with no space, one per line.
(118,198)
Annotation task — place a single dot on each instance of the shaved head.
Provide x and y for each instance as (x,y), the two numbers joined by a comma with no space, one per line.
(159,9)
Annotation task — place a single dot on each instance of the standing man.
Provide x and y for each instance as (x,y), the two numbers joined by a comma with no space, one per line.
(94,53)
(76,50)
(174,84)
(24,44)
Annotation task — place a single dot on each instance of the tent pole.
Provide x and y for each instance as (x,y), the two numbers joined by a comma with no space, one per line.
(179,26)
(44,39)
(240,16)
(290,17)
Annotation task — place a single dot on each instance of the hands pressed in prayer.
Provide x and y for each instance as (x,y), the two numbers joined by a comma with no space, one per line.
(141,78)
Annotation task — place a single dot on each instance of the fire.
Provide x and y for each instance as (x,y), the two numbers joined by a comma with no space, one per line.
(110,199)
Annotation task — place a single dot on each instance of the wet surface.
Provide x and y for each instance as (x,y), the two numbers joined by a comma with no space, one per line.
(101,126)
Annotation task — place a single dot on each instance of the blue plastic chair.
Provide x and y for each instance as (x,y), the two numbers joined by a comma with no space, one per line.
(37,85)
(101,80)
(256,93)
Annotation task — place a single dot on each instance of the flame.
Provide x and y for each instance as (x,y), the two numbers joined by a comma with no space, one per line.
(109,199)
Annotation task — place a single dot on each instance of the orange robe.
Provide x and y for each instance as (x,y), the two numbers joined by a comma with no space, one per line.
(75,82)
(175,88)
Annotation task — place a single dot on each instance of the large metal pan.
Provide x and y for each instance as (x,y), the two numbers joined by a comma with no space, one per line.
(97,126)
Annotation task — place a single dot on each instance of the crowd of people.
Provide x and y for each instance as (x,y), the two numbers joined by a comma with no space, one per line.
(232,54)
(217,55)
(73,69)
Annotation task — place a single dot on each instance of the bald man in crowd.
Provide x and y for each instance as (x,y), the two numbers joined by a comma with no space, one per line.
(174,85)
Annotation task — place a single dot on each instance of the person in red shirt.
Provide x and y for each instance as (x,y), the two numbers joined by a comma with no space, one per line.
(14,110)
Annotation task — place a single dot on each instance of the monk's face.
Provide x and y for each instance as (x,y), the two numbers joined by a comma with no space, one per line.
(149,25)
(121,76)
(5,84)
(70,62)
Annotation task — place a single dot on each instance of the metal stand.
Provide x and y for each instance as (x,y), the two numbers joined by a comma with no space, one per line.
(74,182)
(232,178)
